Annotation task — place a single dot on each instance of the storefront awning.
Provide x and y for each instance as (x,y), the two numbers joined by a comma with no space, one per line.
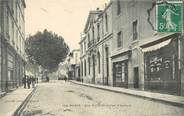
(157,46)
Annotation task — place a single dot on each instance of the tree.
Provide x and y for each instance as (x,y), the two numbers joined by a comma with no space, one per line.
(46,49)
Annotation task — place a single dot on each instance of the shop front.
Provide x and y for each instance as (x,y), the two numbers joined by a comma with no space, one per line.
(161,67)
(11,82)
(120,70)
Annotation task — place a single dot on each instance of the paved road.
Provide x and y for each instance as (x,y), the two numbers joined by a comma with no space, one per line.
(67,99)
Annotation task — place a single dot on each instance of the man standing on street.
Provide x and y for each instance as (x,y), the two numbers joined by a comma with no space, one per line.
(33,82)
(28,82)
(24,81)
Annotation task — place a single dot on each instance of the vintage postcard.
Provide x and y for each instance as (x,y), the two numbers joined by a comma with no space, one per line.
(91,57)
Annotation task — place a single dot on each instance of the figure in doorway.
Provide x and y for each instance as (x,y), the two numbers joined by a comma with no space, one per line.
(24,81)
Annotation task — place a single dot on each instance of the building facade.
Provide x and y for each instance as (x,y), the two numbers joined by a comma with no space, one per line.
(128,52)
(12,37)
(73,65)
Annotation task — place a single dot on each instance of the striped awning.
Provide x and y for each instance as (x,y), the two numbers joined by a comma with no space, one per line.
(157,46)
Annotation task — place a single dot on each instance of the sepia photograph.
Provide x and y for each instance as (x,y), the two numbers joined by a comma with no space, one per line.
(91,57)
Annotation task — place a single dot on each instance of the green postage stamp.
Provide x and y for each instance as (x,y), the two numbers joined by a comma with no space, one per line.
(169,16)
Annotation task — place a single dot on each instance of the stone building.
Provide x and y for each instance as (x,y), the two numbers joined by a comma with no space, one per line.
(104,32)
(88,48)
(12,37)
(73,64)
(127,51)
(83,57)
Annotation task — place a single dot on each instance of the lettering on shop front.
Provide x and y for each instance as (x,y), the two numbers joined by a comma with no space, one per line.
(157,64)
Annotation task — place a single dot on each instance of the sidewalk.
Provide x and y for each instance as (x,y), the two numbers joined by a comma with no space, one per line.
(165,98)
(13,100)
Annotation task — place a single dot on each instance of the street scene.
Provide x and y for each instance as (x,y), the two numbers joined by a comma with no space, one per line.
(91,57)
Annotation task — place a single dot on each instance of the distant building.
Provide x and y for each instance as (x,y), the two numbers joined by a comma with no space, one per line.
(73,65)
(12,37)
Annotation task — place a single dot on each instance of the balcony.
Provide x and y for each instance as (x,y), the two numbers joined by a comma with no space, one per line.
(91,43)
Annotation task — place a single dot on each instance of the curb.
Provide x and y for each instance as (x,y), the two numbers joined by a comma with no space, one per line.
(24,103)
(135,95)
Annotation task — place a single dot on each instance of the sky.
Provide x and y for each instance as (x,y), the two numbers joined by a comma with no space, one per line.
(66,18)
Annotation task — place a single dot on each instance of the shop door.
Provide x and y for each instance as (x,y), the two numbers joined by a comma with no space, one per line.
(136,77)
(120,72)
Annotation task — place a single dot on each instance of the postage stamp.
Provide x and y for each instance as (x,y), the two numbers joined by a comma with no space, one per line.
(169,16)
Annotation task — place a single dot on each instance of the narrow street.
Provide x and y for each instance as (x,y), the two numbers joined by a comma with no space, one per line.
(58,98)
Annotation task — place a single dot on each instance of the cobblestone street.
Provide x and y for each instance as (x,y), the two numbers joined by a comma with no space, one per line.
(67,99)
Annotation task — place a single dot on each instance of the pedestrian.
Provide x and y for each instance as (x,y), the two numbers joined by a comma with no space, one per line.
(65,78)
(6,85)
(47,78)
(28,82)
(24,81)
(33,82)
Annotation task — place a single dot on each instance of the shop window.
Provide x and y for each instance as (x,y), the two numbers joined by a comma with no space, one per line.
(10,67)
(161,69)
(120,74)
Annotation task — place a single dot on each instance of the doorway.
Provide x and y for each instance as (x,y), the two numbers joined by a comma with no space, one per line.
(107,64)
(136,77)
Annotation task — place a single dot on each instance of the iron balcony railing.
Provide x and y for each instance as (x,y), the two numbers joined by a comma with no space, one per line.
(91,43)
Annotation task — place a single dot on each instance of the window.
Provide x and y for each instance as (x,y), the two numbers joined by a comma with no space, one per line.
(119,39)
(81,48)
(98,62)
(82,68)
(135,33)
(93,32)
(106,22)
(10,67)
(12,4)
(98,29)
(85,67)
(76,58)
(118,7)
(88,37)
(89,63)
(13,37)
(7,23)
(84,46)
(88,40)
